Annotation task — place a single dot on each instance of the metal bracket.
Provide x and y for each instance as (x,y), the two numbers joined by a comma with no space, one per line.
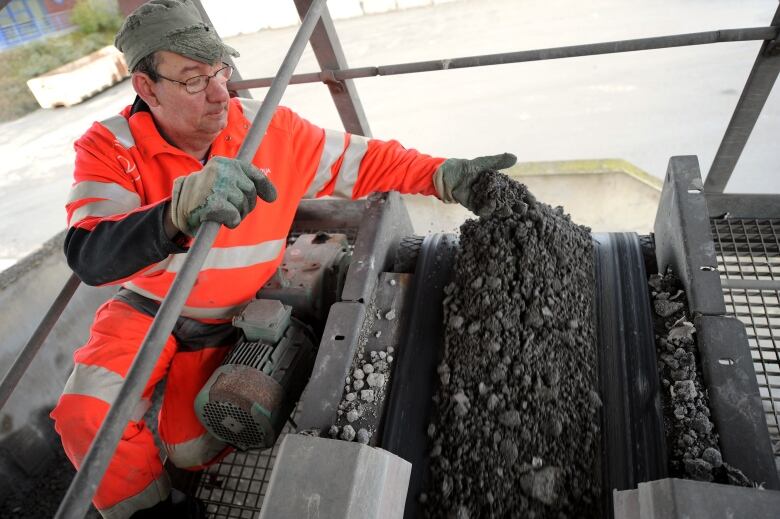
(683,239)
(772,48)
(329,78)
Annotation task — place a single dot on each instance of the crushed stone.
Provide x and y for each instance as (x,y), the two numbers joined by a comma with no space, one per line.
(358,407)
(691,439)
(515,431)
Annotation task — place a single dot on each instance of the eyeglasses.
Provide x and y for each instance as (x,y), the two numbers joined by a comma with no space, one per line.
(199,83)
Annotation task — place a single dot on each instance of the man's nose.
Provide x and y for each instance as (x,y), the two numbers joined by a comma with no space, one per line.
(217,91)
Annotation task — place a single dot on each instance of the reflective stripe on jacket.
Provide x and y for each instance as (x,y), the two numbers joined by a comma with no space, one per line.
(124,176)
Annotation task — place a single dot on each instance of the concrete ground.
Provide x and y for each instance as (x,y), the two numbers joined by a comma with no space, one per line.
(641,107)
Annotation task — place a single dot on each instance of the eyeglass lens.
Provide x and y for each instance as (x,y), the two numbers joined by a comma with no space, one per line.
(198,83)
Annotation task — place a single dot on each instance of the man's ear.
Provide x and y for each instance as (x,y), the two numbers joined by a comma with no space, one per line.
(143,86)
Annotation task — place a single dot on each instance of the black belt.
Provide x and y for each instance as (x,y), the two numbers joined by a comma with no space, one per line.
(190,334)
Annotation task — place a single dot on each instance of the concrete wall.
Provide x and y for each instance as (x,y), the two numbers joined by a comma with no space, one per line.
(609,195)
(27,291)
(232,17)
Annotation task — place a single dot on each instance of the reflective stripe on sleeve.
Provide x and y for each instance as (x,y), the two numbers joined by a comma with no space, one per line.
(104,190)
(114,199)
(99,209)
(331,151)
(119,126)
(157,491)
(348,173)
(101,383)
(193,312)
(194,453)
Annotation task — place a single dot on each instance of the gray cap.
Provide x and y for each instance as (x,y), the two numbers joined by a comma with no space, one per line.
(172,25)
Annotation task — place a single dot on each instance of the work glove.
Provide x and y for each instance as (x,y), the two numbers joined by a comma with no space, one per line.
(454,177)
(224,191)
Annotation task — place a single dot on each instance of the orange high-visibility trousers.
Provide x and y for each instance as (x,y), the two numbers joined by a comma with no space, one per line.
(135,478)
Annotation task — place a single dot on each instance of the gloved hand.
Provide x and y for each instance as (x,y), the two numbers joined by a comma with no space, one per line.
(224,191)
(454,177)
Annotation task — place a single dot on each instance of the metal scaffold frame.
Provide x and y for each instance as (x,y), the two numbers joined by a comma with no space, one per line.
(317,28)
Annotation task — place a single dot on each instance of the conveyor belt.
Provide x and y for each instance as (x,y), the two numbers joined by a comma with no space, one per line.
(410,406)
(632,434)
(633,439)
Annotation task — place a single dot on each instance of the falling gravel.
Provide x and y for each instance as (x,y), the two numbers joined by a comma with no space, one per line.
(515,432)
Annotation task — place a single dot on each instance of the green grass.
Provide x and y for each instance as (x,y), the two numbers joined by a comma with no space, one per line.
(19,64)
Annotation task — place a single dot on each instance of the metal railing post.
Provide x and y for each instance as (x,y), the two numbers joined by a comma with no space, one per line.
(757,89)
(94,465)
(27,354)
(330,56)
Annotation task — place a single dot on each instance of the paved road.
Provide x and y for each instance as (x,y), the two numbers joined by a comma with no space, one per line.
(642,107)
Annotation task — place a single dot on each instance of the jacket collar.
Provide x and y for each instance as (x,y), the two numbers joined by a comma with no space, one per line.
(150,143)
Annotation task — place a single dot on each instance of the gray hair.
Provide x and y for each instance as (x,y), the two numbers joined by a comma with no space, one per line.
(148,65)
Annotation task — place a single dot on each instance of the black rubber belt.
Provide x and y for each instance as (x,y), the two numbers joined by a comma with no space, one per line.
(415,380)
(633,442)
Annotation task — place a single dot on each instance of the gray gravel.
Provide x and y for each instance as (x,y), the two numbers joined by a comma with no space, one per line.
(692,442)
(516,428)
(364,392)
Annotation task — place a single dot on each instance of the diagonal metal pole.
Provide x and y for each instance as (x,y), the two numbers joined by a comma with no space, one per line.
(758,86)
(228,59)
(330,56)
(27,354)
(84,485)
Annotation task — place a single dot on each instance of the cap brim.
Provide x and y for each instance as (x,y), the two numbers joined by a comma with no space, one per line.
(203,46)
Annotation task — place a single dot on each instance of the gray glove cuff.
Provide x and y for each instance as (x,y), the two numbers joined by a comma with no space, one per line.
(178,217)
(443,190)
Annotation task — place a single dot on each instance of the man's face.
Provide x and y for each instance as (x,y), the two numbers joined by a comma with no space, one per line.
(189,116)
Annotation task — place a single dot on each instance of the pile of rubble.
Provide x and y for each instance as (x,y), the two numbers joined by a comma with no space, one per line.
(692,442)
(516,431)
(365,389)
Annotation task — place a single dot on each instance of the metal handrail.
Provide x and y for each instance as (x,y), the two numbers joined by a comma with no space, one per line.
(76,502)
(751,102)
(572,51)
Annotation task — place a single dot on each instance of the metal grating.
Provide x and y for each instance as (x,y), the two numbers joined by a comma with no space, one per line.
(749,249)
(235,487)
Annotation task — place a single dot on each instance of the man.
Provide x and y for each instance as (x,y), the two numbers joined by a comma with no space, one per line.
(145,180)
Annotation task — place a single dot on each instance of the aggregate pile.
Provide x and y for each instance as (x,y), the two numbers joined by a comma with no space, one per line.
(365,390)
(692,442)
(515,432)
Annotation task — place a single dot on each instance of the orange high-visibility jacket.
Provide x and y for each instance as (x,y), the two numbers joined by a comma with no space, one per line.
(124,176)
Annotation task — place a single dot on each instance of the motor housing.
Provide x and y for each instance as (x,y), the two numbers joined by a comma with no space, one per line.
(251,395)
(248,399)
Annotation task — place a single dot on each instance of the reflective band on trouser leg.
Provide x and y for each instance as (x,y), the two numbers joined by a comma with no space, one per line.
(135,478)
(188,443)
